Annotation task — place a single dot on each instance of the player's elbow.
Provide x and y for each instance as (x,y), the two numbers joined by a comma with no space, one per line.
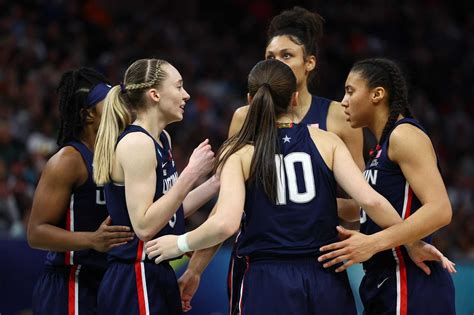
(226,229)
(32,237)
(445,213)
(144,235)
(372,202)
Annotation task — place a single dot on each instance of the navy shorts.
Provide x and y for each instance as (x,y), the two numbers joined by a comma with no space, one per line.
(299,286)
(139,288)
(406,289)
(70,290)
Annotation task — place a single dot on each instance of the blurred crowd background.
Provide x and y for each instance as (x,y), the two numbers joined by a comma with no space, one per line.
(214,44)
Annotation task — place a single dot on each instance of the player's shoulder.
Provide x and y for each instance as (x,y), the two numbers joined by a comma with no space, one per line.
(240,113)
(407,133)
(67,164)
(317,133)
(407,139)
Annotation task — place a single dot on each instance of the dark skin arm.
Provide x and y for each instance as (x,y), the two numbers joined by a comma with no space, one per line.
(63,172)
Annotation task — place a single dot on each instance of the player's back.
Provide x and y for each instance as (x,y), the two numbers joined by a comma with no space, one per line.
(305,216)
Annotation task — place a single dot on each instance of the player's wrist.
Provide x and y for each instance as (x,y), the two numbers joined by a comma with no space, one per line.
(182,243)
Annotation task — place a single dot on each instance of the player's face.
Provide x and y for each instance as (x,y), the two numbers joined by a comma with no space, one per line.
(97,114)
(173,96)
(284,49)
(357,101)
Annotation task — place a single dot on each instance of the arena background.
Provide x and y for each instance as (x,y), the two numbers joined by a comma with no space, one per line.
(214,44)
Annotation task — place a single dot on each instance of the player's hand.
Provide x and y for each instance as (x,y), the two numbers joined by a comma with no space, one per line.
(163,248)
(420,252)
(188,285)
(202,159)
(355,248)
(108,236)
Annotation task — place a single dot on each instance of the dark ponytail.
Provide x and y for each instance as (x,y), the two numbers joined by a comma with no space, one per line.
(271,85)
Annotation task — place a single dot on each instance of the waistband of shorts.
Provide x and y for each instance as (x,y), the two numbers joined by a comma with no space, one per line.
(281,258)
(67,268)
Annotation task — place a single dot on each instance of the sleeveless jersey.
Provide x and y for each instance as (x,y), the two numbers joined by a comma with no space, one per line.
(305,216)
(86,212)
(166,176)
(386,177)
(317,113)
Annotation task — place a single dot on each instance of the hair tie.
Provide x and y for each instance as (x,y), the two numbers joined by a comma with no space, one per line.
(123,90)
(266,85)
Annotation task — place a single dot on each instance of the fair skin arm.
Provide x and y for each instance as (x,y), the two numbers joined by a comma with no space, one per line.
(189,281)
(136,155)
(217,228)
(63,172)
(419,167)
(349,177)
(200,195)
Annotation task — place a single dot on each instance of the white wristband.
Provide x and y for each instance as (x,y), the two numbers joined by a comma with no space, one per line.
(183,243)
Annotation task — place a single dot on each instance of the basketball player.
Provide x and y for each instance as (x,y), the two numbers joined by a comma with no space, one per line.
(403,168)
(143,190)
(69,217)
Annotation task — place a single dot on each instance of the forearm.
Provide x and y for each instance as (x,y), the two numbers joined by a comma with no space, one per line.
(53,238)
(212,232)
(160,212)
(201,259)
(382,212)
(420,224)
(200,195)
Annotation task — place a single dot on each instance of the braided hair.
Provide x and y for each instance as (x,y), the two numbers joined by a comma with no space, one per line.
(120,104)
(73,89)
(387,74)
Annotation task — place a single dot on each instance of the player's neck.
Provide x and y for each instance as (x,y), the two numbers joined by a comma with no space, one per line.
(304,103)
(151,122)
(88,136)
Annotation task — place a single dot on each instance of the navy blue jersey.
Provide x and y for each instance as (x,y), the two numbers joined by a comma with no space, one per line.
(86,212)
(317,113)
(305,216)
(386,177)
(166,176)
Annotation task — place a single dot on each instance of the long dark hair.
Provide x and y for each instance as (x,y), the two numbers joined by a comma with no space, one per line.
(387,74)
(73,89)
(271,84)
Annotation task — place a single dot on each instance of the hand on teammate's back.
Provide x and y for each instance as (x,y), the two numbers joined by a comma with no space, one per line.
(108,236)
(421,251)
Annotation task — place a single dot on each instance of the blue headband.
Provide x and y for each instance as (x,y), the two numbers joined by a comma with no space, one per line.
(97,94)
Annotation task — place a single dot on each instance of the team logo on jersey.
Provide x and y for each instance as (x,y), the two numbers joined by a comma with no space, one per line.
(286,139)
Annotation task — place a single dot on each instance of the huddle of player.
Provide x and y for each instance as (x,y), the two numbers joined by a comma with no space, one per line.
(110,205)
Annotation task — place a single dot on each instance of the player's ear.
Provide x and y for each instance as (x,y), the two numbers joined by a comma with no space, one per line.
(294,99)
(87,116)
(249,98)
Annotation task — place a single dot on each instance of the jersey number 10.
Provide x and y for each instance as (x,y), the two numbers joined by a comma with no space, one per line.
(290,181)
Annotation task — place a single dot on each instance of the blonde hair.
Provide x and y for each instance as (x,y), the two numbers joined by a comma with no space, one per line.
(119,104)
